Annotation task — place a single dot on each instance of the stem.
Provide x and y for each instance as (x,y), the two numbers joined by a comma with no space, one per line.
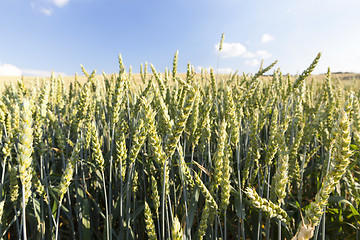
(260,212)
(128,199)
(167,216)
(192,157)
(121,199)
(2,177)
(225,224)
(57,220)
(301,178)
(158,222)
(24,212)
(163,203)
(217,219)
(110,185)
(267,225)
(323,226)
(17,224)
(188,227)
(106,208)
(43,174)
(2,184)
(279,229)
(240,192)
(216,222)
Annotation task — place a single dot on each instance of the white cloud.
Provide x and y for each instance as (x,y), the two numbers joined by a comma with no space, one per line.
(60,3)
(226,70)
(263,54)
(231,49)
(238,50)
(12,70)
(9,70)
(42,7)
(47,6)
(266,38)
(41,73)
(249,55)
(252,62)
(46,11)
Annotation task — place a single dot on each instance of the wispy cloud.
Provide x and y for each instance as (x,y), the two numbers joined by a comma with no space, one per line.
(263,54)
(41,73)
(9,70)
(60,3)
(225,70)
(46,11)
(249,55)
(231,49)
(252,62)
(47,6)
(266,38)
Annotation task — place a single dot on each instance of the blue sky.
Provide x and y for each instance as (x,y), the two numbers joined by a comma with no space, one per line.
(40,36)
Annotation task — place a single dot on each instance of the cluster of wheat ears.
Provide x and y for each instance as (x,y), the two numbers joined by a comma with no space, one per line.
(198,157)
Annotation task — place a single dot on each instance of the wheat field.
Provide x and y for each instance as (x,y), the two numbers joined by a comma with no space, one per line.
(180,156)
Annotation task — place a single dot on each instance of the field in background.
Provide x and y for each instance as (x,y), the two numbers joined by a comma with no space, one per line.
(346,79)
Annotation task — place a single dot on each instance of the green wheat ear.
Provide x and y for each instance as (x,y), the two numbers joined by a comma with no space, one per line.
(270,208)
(218,159)
(175,62)
(149,223)
(306,73)
(25,148)
(204,220)
(176,230)
(67,177)
(221,41)
(14,185)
